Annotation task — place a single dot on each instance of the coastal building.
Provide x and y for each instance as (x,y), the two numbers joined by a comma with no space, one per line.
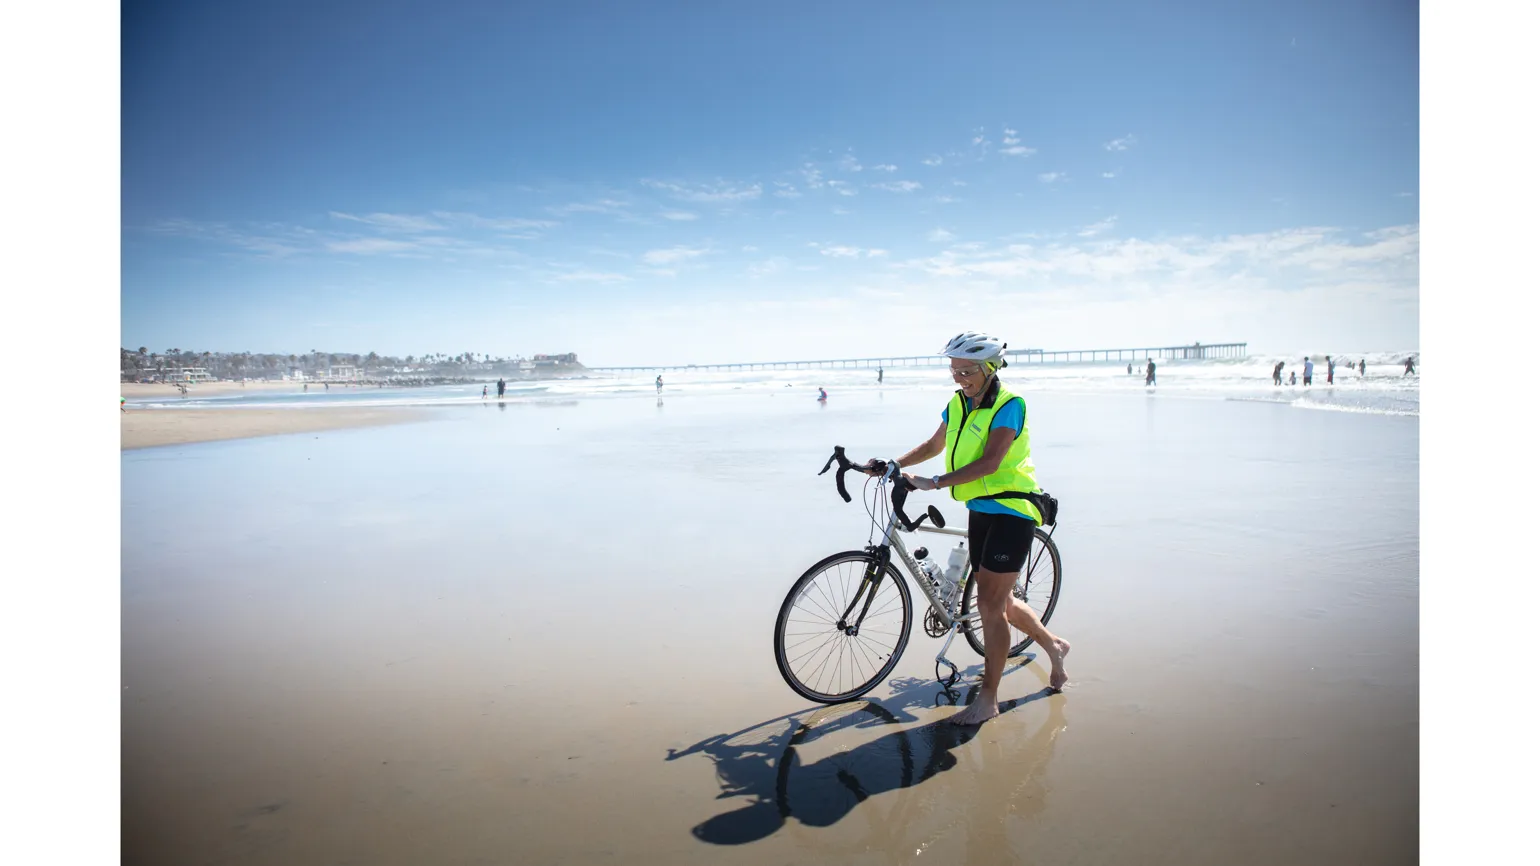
(188,374)
(342,371)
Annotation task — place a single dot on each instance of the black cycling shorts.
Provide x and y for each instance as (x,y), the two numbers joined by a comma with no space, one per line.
(999,542)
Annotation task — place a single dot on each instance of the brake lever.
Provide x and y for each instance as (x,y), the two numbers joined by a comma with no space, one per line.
(901,488)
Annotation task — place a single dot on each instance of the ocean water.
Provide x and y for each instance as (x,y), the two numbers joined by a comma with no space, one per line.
(1381,390)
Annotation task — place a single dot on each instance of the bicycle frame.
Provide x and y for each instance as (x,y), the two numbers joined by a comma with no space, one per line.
(893,541)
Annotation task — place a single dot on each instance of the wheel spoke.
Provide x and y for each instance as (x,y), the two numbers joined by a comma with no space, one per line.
(823,661)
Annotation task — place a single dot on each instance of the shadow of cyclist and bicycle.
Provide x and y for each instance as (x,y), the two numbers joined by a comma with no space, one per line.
(765,762)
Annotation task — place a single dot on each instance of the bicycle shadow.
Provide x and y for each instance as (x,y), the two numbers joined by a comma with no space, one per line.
(763,762)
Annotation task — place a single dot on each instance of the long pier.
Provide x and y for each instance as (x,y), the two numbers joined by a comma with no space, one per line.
(1195,351)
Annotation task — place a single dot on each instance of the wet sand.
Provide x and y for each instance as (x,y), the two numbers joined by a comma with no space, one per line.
(541,634)
(149,428)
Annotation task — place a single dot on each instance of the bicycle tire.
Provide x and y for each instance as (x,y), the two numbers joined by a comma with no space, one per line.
(783,660)
(1022,587)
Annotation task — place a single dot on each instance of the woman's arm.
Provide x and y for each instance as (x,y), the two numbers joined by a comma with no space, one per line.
(999,442)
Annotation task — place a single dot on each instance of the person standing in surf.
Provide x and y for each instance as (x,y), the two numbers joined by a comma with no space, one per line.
(983,433)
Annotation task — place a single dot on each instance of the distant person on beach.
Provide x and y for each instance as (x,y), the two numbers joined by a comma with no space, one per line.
(1130,368)
(123,405)
(1292,380)
(1278,373)
(660,383)
(1149,372)
(483,392)
(1331,369)
(1410,370)
(501,387)
(1360,367)
(1309,369)
(306,388)
(879,375)
(822,394)
(983,435)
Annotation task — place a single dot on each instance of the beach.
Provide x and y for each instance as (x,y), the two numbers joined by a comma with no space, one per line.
(150,428)
(133,390)
(540,632)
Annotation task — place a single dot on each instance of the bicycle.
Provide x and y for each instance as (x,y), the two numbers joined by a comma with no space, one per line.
(823,611)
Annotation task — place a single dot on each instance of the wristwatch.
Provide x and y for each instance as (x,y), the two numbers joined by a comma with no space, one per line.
(936,480)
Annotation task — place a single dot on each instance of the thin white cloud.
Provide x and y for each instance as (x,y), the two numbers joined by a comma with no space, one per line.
(769,267)
(718,192)
(848,162)
(672,255)
(515,224)
(1288,255)
(679,215)
(887,168)
(369,246)
(1052,176)
(931,160)
(786,190)
(1098,227)
(604,206)
(1109,175)
(840,251)
(1010,137)
(393,221)
(897,186)
(944,199)
(841,187)
(588,276)
(1403,195)
(1018,150)
(812,176)
(1123,143)
(940,235)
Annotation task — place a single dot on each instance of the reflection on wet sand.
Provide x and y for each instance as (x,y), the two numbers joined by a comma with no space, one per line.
(800,770)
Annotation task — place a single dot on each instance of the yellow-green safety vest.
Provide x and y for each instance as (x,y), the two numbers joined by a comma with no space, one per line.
(967,431)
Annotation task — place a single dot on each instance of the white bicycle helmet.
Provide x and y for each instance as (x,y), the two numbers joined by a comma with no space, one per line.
(974,346)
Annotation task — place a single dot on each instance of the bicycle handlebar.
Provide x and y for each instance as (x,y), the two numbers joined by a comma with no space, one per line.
(887,471)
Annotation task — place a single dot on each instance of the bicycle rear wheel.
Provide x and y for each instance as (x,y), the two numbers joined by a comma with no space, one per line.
(1037,585)
(822,661)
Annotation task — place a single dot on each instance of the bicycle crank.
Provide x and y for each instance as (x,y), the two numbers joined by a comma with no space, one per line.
(955,676)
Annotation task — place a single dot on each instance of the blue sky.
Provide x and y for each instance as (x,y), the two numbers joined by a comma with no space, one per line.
(695,182)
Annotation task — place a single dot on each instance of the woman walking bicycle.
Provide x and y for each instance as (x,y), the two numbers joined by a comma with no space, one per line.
(983,433)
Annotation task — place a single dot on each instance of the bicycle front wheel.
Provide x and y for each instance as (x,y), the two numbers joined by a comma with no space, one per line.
(829,663)
(1037,586)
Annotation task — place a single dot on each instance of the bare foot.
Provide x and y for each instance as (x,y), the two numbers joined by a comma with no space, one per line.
(983,708)
(1057,678)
